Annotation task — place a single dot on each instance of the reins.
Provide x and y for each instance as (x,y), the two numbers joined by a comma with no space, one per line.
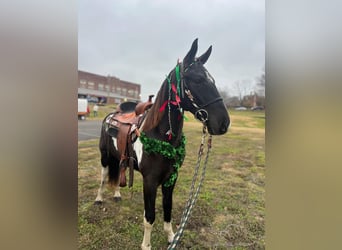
(194,189)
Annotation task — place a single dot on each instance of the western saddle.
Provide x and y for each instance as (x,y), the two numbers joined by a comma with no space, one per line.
(124,125)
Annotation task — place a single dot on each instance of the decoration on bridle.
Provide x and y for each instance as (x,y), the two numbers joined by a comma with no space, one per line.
(167,150)
(178,79)
(177,91)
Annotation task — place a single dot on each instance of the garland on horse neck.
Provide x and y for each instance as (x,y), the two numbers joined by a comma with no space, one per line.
(167,150)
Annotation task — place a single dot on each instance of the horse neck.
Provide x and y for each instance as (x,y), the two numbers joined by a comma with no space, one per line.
(175,117)
(158,122)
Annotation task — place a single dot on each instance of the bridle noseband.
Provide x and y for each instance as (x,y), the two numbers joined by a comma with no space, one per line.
(200,113)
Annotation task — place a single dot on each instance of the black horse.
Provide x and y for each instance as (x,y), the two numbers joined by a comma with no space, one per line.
(188,87)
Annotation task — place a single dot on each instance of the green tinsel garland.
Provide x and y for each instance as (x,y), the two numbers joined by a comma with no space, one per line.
(167,150)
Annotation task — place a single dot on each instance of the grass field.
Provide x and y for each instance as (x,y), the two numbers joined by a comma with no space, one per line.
(230,210)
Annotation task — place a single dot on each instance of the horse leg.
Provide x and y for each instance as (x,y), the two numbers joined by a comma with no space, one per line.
(150,192)
(104,174)
(110,168)
(117,195)
(167,207)
(114,175)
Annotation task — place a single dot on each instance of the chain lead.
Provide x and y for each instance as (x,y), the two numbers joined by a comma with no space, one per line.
(193,195)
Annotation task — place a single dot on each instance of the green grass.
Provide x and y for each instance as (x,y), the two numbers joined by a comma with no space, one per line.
(230,210)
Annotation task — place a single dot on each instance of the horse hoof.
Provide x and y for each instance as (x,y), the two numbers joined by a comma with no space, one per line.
(117,199)
(97,203)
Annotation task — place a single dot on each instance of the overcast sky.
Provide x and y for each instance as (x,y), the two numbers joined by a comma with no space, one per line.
(141,40)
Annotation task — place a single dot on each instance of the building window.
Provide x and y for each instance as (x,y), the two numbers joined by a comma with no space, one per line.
(83,84)
(100,86)
(131,92)
(118,90)
(124,91)
(113,89)
(107,87)
(91,85)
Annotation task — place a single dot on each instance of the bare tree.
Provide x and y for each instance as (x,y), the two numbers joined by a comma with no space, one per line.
(242,88)
(224,94)
(233,102)
(237,86)
(261,83)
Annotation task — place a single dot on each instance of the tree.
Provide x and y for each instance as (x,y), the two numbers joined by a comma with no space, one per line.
(242,88)
(233,102)
(261,83)
(224,94)
(228,100)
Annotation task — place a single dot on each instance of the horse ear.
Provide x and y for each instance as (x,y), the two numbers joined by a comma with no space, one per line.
(190,57)
(203,58)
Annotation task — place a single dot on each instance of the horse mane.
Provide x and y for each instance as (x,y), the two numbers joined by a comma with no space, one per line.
(154,115)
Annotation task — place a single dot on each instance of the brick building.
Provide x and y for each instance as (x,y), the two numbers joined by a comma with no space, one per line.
(106,89)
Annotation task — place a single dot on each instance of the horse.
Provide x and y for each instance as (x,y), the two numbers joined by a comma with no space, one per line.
(188,87)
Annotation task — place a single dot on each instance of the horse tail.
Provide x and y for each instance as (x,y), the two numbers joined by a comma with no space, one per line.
(114,173)
(109,156)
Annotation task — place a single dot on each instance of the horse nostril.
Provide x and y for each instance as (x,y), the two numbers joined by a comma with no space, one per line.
(224,127)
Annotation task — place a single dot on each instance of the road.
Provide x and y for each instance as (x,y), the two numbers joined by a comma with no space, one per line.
(89,130)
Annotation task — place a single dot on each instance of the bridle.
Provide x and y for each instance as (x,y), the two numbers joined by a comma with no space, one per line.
(180,90)
(200,113)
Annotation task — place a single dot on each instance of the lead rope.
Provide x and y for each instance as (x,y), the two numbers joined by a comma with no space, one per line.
(193,195)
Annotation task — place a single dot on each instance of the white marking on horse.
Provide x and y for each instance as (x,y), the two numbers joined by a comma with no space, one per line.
(117,191)
(104,174)
(115,142)
(138,148)
(146,244)
(169,231)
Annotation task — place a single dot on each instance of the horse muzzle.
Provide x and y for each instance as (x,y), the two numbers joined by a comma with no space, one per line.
(219,129)
(218,120)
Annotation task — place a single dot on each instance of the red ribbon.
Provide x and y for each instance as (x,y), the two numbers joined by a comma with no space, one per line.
(174,89)
(161,109)
(178,100)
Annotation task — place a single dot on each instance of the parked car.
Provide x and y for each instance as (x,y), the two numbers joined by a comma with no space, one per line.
(93,99)
(257,108)
(240,108)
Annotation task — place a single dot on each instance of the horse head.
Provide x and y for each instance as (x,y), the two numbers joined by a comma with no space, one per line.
(199,93)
